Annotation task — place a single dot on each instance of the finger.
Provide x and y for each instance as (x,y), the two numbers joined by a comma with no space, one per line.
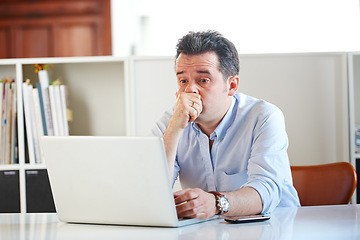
(180,192)
(192,214)
(185,196)
(195,110)
(187,208)
(191,209)
(199,204)
(188,107)
(197,107)
(193,114)
(189,99)
(182,115)
(196,99)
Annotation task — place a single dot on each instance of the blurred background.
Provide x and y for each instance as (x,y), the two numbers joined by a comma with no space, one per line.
(58,28)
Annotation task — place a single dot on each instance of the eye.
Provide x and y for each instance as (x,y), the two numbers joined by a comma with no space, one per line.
(182,81)
(203,81)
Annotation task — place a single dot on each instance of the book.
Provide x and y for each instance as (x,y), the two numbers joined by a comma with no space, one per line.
(53,106)
(44,89)
(8,116)
(38,123)
(2,161)
(42,110)
(8,124)
(4,123)
(64,109)
(34,125)
(46,103)
(58,110)
(14,142)
(54,114)
(28,125)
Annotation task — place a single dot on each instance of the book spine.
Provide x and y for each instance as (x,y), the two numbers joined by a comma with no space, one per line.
(28,125)
(38,122)
(44,86)
(42,110)
(5,126)
(58,110)
(53,110)
(64,109)
(13,149)
(9,103)
(33,125)
(2,161)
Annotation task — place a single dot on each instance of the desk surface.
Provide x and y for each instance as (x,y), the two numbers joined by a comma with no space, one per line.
(323,222)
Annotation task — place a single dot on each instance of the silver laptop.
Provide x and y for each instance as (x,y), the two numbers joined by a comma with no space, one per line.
(111,180)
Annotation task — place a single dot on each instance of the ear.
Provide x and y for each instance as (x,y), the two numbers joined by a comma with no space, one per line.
(233,85)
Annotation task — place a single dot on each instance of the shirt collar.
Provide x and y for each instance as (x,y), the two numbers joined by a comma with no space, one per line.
(225,123)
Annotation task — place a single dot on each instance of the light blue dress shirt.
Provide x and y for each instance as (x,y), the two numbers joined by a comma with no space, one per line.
(249,150)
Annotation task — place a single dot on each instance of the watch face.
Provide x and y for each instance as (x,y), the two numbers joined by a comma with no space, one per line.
(223,204)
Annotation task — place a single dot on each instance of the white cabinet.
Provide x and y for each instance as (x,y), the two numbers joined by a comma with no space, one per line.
(354,112)
(354,102)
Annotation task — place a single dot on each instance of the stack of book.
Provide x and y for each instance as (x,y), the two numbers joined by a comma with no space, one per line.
(8,117)
(45,111)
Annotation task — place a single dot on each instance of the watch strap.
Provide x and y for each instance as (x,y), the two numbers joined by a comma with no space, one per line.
(218,196)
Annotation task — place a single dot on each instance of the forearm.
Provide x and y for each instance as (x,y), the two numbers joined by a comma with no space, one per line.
(245,201)
(171,140)
(185,111)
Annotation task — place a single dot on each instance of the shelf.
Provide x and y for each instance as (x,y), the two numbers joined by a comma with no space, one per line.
(5,167)
(98,97)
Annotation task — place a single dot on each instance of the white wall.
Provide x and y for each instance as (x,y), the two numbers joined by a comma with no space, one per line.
(310,89)
(144,27)
(123,27)
(312,94)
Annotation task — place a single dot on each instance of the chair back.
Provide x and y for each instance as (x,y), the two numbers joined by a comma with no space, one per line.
(326,184)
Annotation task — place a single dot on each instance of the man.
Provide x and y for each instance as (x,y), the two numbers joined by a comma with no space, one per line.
(229,149)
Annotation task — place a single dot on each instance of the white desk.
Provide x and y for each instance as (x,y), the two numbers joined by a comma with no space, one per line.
(325,222)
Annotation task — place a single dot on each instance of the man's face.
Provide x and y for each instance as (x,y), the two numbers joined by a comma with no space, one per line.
(200,74)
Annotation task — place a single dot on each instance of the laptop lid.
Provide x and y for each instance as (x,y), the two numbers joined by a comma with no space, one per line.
(110,180)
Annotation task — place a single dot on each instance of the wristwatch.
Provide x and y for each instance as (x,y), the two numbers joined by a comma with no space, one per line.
(222,203)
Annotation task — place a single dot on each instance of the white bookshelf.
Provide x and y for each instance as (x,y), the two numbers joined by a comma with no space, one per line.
(98,96)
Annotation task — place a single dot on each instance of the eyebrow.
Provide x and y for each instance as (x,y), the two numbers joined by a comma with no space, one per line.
(206,72)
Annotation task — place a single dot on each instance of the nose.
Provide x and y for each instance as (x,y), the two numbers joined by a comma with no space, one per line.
(191,87)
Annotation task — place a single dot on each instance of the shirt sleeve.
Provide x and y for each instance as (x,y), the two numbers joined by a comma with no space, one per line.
(162,124)
(268,166)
